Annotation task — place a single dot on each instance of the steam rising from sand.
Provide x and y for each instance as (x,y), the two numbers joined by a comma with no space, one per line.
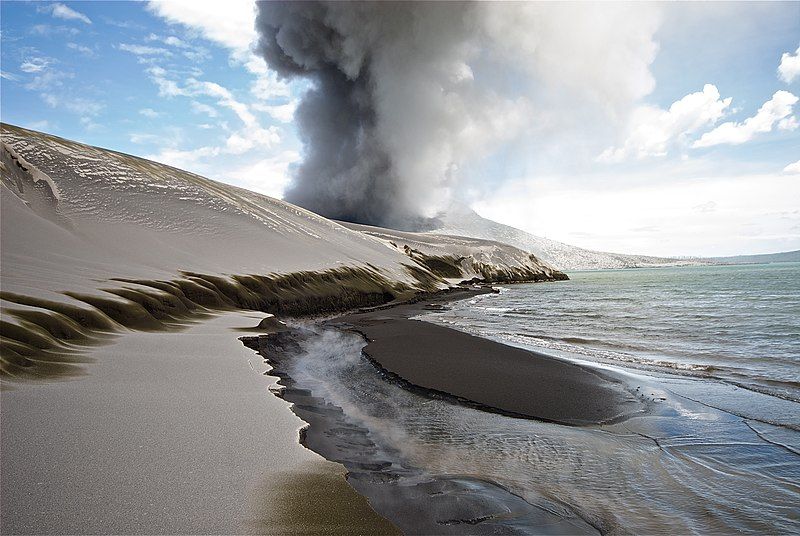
(404,95)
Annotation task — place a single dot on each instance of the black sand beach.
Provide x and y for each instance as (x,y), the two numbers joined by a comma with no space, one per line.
(497,376)
(443,363)
(413,500)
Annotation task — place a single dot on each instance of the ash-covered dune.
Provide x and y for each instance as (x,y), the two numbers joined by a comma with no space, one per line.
(95,242)
(455,257)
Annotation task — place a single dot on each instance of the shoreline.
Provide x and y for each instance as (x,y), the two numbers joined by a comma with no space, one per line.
(409,455)
(407,496)
(489,375)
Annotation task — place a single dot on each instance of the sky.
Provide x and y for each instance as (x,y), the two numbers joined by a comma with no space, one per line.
(662,129)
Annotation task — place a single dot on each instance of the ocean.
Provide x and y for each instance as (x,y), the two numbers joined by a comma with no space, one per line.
(716,348)
(739,324)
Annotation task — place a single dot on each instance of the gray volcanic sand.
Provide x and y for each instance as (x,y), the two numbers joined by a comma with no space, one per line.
(168,433)
(501,377)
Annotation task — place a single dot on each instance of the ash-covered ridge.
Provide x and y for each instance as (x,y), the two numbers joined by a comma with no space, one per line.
(96,242)
(460,220)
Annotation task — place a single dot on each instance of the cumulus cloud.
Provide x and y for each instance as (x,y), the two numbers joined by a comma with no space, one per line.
(794,167)
(654,130)
(788,123)
(61,11)
(231,27)
(789,68)
(771,113)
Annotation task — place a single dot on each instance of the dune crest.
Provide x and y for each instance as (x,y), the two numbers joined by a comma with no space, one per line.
(96,242)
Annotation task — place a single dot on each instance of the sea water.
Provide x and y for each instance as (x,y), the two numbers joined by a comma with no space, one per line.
(715,348)
(736,325)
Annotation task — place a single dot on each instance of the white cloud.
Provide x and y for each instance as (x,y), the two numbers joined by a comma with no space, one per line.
(89,124)
(80,106)
(149,113)
(144,50)
(86,51)
(652,131)
(269,86)
(200,108)
(48,30)
(145,138)
(34,65)
(184,159)
(282,112)
(253,133)
(190,51)
(224,98)
(248,138)
(789,69)
(770,113)
(794,167)
(126,24)
(665,214)
(48,80)
(60,11)
(175,42)
(42,125)
(9,76)
(708,206)
(268,176)
(231,25)
(166,87)
(788,123)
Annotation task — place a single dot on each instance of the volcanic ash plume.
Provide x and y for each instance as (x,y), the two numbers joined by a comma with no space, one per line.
(395,109)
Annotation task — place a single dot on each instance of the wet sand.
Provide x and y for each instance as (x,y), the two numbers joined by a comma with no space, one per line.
(416,501)
(490,374)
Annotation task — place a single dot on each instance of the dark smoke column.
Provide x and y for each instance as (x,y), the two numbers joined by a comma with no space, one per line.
(346,173)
